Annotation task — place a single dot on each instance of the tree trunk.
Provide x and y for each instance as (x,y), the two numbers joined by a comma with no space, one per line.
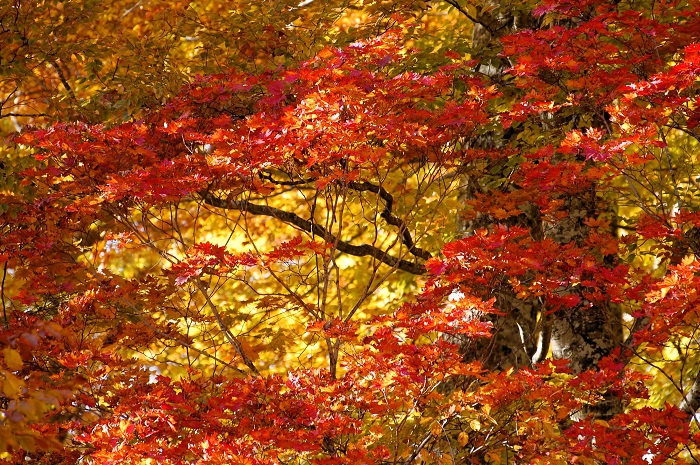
(584,334)
(516,340)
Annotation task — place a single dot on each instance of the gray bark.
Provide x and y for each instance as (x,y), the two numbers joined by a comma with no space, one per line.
(583,335)
(690,403)
(520,337)
(691,400)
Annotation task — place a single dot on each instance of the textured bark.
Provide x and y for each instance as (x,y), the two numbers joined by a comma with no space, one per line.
(589,332)
(690,403)
(584,334)
(691,400)
(518,335)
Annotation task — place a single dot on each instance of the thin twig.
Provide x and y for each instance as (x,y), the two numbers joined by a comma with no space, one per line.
(227,332)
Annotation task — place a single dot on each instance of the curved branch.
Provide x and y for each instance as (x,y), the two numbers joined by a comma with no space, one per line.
(390,218)
(300,182)
(363,250)
(227,332)
(387,214)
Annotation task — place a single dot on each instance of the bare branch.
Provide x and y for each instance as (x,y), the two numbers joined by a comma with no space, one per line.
(20,115)
(63,79)
(390,218)
(363,250)
(227,332)
(300,182)
(471,18)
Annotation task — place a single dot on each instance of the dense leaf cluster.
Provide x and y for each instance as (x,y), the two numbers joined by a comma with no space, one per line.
(357,254)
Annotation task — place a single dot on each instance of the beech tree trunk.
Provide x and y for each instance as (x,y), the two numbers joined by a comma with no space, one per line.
(516,340)
(586,333)
(583,334)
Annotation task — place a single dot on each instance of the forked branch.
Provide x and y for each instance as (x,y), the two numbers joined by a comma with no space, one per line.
(389,216)
(364,250)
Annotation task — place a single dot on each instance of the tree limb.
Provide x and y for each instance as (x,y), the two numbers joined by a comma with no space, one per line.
(227,332)
(390,218)
(691,401)
(21,115)
(300,182)
(387,214)
(363,250)
(62,78)
(471,18)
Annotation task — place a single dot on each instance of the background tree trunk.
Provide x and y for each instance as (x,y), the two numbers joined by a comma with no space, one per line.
(516,340)
(583,334)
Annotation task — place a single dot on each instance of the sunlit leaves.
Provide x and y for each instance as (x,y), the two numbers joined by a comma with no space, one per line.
(253,268)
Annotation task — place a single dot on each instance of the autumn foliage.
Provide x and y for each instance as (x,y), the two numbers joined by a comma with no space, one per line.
(388,246)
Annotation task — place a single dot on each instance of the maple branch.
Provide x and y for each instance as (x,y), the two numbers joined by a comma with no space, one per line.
(300,182)
(629,345)
(363,250)
(387,214)
(62,78)
(227,332)
(390,218)
(163,334)
(20,115)
(691,401)
(421,445)
(126,13)
(192,348)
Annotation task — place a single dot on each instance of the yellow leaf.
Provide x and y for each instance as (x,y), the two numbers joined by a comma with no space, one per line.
(495,456)
(475,425)
(424,456)
(436,429)
(463,438)
(13,359)
(388,379)
(326,53)
(11,385)
(27,443)
(250,351)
